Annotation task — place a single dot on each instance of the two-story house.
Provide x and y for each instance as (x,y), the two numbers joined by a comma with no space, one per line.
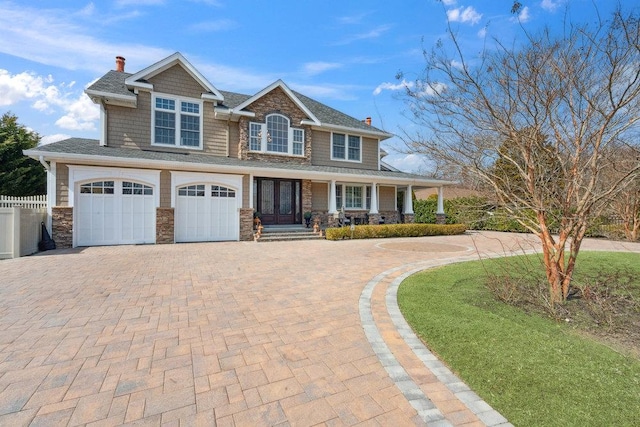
(180,161)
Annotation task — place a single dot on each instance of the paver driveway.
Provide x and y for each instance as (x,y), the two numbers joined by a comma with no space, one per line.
(237,333)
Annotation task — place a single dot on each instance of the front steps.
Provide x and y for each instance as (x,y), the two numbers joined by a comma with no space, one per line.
(280,233)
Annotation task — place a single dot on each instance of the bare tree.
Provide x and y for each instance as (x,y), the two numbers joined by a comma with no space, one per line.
(563,98)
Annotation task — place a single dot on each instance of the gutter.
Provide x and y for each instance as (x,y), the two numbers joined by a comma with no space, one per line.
(41,159)
(234,169)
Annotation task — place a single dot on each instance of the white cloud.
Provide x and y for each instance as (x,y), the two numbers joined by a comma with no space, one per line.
(372,34)
(523,16)
(550,5)
(48,139)
(20,87)
(462,14)
(482,33)
(313,68)
(392,86)
(213,26)
(54,37)
(412,163)
(81,114)
(449,2)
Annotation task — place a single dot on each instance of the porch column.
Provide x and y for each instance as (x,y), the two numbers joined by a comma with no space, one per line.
(408,201)
(374,199)
(332,197)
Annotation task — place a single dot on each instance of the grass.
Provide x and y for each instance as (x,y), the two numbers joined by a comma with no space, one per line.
(534,370)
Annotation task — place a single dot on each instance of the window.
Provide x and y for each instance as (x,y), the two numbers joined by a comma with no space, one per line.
(218,191)
(192,190)
(98,187)
(353,196)
(134,188)
(276,136)
(346,147)
(177,122)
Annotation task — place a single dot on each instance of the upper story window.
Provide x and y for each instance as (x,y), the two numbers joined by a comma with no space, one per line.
(176,121)
(276,136)
(346,147)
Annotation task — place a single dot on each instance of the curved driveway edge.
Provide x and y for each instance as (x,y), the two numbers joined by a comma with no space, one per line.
(225,334)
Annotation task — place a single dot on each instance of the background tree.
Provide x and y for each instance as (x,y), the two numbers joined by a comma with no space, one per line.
(19,174)
(563,98)
(626,204)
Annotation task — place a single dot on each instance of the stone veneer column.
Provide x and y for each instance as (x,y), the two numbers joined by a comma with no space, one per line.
(374,219)
(165,226)
(62,226)
(408,218)
(441,218)
(307,204)
(246,224)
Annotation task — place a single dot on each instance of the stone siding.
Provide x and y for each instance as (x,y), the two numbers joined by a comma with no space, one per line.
(246,224)
(62,226)
(164,226)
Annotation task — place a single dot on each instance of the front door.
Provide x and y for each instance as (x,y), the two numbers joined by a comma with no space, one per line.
(277,200)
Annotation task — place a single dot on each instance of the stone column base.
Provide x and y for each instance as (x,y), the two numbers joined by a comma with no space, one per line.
(62,226)
(374,219)
(441,218)
(246,224)
(165,229)
(408,218)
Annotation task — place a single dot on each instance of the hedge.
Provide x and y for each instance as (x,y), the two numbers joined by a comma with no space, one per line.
(394,230)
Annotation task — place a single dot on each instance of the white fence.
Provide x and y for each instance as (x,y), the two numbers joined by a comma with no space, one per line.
(33,202)
(20,230)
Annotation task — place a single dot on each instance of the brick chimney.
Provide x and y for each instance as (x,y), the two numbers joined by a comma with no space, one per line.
(120,64)
(368,121)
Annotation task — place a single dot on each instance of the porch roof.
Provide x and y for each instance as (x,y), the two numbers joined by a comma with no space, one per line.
(89,151)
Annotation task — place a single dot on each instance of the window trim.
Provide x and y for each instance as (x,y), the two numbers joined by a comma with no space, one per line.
(263,133)
(341,194)
(347,138)
(178,122)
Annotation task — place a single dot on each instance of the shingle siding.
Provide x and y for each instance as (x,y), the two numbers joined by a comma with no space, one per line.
(130,127)
(321,152)
(387,198)
(319,196)
(176,81)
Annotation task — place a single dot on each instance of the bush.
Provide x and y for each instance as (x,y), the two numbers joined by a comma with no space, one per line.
(461,210)
(394,230)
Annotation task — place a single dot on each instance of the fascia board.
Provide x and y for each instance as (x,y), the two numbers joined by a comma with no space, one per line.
(111,98)
(267,172)
(290,94)
(329,128)
(158,67)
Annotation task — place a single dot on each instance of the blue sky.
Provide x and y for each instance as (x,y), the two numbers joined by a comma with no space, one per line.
(343,53)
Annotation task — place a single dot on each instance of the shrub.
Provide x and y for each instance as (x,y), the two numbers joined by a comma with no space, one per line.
(461,210)
(394,230)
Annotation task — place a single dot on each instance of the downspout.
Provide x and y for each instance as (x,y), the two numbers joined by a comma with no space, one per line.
(103,122)
(51,188)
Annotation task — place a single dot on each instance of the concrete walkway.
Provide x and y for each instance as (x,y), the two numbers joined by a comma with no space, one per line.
(298,333)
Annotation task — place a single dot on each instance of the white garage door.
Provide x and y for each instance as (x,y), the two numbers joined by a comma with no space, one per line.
(206,213)
(115,212)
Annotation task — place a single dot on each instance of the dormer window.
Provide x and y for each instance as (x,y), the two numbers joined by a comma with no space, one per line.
(176,121)
(276,136)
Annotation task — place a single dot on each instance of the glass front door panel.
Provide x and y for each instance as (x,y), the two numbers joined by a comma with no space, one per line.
(286,207)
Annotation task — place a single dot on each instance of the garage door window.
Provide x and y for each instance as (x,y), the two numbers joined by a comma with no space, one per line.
(217,191)
(98,187)
(134,188)
(192,190)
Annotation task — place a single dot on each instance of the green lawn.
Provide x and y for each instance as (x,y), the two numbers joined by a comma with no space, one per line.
(532,369)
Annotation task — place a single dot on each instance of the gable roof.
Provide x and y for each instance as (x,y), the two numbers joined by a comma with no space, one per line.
(280,84)
(118,88)
(140,78)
